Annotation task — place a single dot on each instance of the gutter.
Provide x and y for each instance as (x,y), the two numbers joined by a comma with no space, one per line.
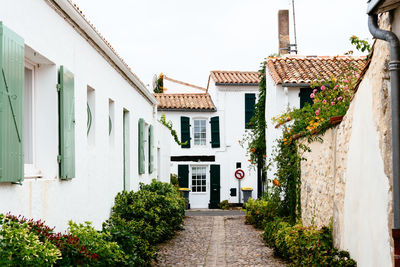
(302,85)
(394,67)
(70,10)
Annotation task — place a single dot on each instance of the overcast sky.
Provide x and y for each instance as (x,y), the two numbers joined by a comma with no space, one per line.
(186,39)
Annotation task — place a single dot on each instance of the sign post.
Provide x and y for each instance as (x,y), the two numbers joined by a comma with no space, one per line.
(239,175)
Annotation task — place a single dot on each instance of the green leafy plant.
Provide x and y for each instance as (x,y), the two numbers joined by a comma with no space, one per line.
(168,124)
(173,177)
(224,205)
(260,211)
(19,246)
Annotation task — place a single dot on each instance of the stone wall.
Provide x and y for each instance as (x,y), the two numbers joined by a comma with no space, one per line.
(348,177)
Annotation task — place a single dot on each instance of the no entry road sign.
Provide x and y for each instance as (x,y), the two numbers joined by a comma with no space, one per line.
(239,174)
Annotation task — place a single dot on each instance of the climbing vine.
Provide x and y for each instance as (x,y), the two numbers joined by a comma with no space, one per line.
(168,124)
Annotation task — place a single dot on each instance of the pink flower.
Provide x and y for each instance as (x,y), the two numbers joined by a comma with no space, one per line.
(339,98)
(324,101)
(317,112)
(323,87)
(346,88)
(336,87)
(332,103)
(312,95)
(315,91)
(316,100)
(358,75)
(346,81)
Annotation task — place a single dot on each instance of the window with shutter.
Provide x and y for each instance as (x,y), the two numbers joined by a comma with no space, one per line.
(11,106)
(215,142)
(141,147)
(249,103)
(66,123)
(151,149)
(183,176)
(185,131)
(305,96)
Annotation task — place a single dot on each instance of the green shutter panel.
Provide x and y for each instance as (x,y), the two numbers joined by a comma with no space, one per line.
(141,147)
(183,176)
(185,131)
(215,132)
(67,123)
(11,106)
(249,103)
(304,95)
(215,186)
(151,149)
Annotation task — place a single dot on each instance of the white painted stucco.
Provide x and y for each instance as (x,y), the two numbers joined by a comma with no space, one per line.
(99,162)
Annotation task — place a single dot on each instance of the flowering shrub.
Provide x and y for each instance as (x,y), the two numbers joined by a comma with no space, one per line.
(304,246)
(259,212)
(20,246)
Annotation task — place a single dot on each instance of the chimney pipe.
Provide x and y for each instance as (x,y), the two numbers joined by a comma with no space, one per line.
(283,31)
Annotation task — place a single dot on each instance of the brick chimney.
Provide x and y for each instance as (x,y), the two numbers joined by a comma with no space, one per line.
(283,31)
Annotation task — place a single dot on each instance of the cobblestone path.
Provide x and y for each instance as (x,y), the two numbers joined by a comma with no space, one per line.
(216,241)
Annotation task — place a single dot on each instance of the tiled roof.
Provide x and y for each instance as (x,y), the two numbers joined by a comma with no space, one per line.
(235,77)
(302,69)
(201,101)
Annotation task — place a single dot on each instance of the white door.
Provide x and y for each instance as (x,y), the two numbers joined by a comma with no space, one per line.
(199,180)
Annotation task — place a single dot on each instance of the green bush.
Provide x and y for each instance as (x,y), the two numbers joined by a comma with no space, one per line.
(304,246)
(21,247)
(259,212)
(109,252)
(139,220)
(174,179)
(224,205)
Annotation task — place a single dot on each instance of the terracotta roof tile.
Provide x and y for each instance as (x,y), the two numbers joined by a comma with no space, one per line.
(235,77)
(201,101)
(302,69)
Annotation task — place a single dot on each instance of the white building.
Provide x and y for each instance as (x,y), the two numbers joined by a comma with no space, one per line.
(212,122)
(288,80)
(77,126)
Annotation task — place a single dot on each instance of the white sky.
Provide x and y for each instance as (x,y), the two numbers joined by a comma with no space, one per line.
(186,39)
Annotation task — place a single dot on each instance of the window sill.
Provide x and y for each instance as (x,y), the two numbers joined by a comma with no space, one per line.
(32,176)
(30,172)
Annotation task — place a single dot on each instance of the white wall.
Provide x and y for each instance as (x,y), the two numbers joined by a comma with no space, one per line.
(174,88)
(279,100)
(99,167)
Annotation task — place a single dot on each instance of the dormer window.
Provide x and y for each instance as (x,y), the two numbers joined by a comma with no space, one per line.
(200,132)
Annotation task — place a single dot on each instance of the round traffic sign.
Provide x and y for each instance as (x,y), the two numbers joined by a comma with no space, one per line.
(239,174)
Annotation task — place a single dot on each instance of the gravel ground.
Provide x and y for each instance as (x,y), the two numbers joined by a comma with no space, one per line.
(216,241)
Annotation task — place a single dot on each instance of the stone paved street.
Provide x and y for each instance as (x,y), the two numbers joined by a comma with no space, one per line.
(216,241)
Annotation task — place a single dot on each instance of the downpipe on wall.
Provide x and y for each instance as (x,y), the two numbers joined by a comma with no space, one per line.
(394,67)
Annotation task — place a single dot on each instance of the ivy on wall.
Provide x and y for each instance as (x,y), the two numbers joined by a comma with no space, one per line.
(168,124)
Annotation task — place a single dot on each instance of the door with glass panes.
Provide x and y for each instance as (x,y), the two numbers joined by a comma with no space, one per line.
(199,182)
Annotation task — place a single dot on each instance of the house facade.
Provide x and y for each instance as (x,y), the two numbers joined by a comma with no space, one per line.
(288,80)
(213,123)
(77,126)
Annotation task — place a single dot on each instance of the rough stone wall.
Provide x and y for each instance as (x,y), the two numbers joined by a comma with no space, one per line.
(348,177)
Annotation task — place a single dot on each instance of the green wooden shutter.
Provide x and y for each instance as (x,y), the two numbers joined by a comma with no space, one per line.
(11,106)
(151,149)
(183,176)
(67,123)
(304,95)
(141,147)
(250,101)
(215,132)
(185,131)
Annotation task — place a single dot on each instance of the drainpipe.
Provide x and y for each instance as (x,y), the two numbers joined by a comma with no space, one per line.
(394,67)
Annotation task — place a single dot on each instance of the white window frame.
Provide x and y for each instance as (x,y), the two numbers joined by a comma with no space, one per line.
(206,127)
(30,171)
(206,167)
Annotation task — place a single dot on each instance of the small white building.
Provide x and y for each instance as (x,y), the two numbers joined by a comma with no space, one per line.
(212,122)
(288,80)
(77,126)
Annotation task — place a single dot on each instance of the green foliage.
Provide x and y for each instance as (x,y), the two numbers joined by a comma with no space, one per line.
(260,211)
(109,252)
(224,205)
(159,86)
(168,124)
(304,246)
(173,178)
(361,45)
(139,220)
(19,246)
(255,137)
